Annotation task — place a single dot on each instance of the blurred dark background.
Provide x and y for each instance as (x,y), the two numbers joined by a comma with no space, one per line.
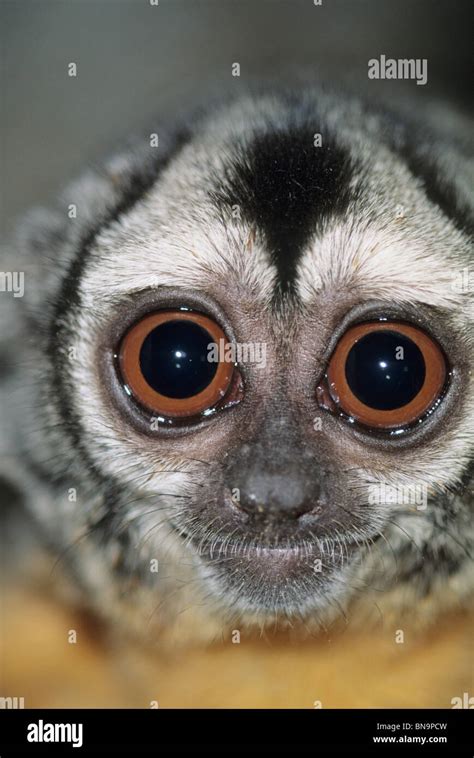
(136,60)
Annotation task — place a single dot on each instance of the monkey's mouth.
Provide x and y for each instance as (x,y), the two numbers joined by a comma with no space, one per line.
(258,563)
(291,580)
(250,561)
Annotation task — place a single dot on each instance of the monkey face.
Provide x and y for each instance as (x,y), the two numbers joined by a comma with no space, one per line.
(260,364)
(273,474)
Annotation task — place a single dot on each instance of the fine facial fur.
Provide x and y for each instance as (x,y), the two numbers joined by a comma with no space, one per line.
(287,219)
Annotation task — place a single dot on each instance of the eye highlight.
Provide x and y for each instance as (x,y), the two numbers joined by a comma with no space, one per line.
(386,374)
(163,360)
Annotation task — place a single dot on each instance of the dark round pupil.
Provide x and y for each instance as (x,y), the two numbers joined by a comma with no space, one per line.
(385,370)
(173,359)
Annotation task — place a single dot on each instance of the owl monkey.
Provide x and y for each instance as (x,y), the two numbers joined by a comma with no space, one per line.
(321,475)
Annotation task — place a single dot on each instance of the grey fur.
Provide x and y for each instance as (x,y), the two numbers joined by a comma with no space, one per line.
(62,428)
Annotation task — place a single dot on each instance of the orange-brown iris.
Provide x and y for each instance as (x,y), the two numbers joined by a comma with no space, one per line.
(386,374)
(164,362)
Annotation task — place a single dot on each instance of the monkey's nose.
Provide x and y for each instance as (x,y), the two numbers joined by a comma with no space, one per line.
(279,495)
(276,475)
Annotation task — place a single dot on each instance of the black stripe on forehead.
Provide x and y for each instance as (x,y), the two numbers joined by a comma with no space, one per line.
(286,187)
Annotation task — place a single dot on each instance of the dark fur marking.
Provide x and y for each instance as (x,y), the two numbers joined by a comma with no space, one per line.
(415,145)
(140,182)
(287,188)
(437,189)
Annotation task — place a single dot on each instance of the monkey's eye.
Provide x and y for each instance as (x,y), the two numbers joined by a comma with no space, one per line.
(386,374)
(167,365)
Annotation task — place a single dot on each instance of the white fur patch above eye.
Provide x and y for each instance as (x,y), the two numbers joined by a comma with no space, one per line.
(377,264)
(187,249)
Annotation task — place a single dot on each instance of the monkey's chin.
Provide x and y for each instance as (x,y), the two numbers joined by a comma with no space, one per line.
(289,582)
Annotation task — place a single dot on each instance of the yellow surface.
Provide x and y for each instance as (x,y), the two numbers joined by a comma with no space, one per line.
(362,670)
